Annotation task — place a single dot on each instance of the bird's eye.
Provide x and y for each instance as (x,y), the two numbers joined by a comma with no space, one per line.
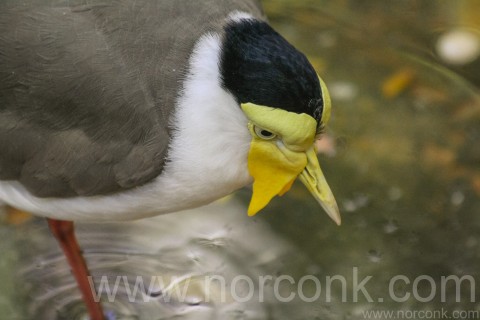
(264,134)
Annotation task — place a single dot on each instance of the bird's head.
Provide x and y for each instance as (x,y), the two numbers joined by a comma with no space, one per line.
(287,105)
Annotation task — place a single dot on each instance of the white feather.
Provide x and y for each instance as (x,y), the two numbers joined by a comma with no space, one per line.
(237,16)
(207,156)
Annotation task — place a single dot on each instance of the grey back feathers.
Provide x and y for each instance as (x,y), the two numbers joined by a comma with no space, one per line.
(87,90)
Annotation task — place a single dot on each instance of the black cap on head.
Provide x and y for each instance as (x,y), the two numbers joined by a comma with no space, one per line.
(259,66)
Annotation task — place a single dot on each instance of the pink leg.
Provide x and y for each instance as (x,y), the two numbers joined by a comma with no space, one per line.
(65,235)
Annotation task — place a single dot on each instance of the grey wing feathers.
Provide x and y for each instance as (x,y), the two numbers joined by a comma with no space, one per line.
(87,90)
(75,112)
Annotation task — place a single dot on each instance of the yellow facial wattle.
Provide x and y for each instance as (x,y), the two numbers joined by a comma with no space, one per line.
(273,171)
(276,160)
(327,104)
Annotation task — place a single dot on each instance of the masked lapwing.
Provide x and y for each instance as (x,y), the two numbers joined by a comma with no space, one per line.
(119,110)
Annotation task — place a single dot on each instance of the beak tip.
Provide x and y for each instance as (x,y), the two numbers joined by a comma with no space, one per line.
(335,216)
(338,222)
(331,208)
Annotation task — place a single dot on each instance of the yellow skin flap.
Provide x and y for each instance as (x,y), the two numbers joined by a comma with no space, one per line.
(280,151)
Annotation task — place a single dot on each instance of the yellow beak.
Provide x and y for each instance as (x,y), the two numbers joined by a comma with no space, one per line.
(276,161)
(274,169)
(313,178)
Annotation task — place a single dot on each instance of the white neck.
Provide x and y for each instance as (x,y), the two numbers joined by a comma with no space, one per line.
(207,157)
(208,153)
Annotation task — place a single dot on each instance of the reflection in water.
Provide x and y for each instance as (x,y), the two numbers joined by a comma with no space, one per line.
(156,268)
(401,155)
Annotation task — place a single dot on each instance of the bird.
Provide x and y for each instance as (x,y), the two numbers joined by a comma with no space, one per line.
(122,110)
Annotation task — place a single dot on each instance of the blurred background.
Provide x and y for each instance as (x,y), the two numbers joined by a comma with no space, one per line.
(401,154)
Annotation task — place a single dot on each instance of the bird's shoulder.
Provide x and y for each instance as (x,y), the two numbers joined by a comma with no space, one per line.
(87,91)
